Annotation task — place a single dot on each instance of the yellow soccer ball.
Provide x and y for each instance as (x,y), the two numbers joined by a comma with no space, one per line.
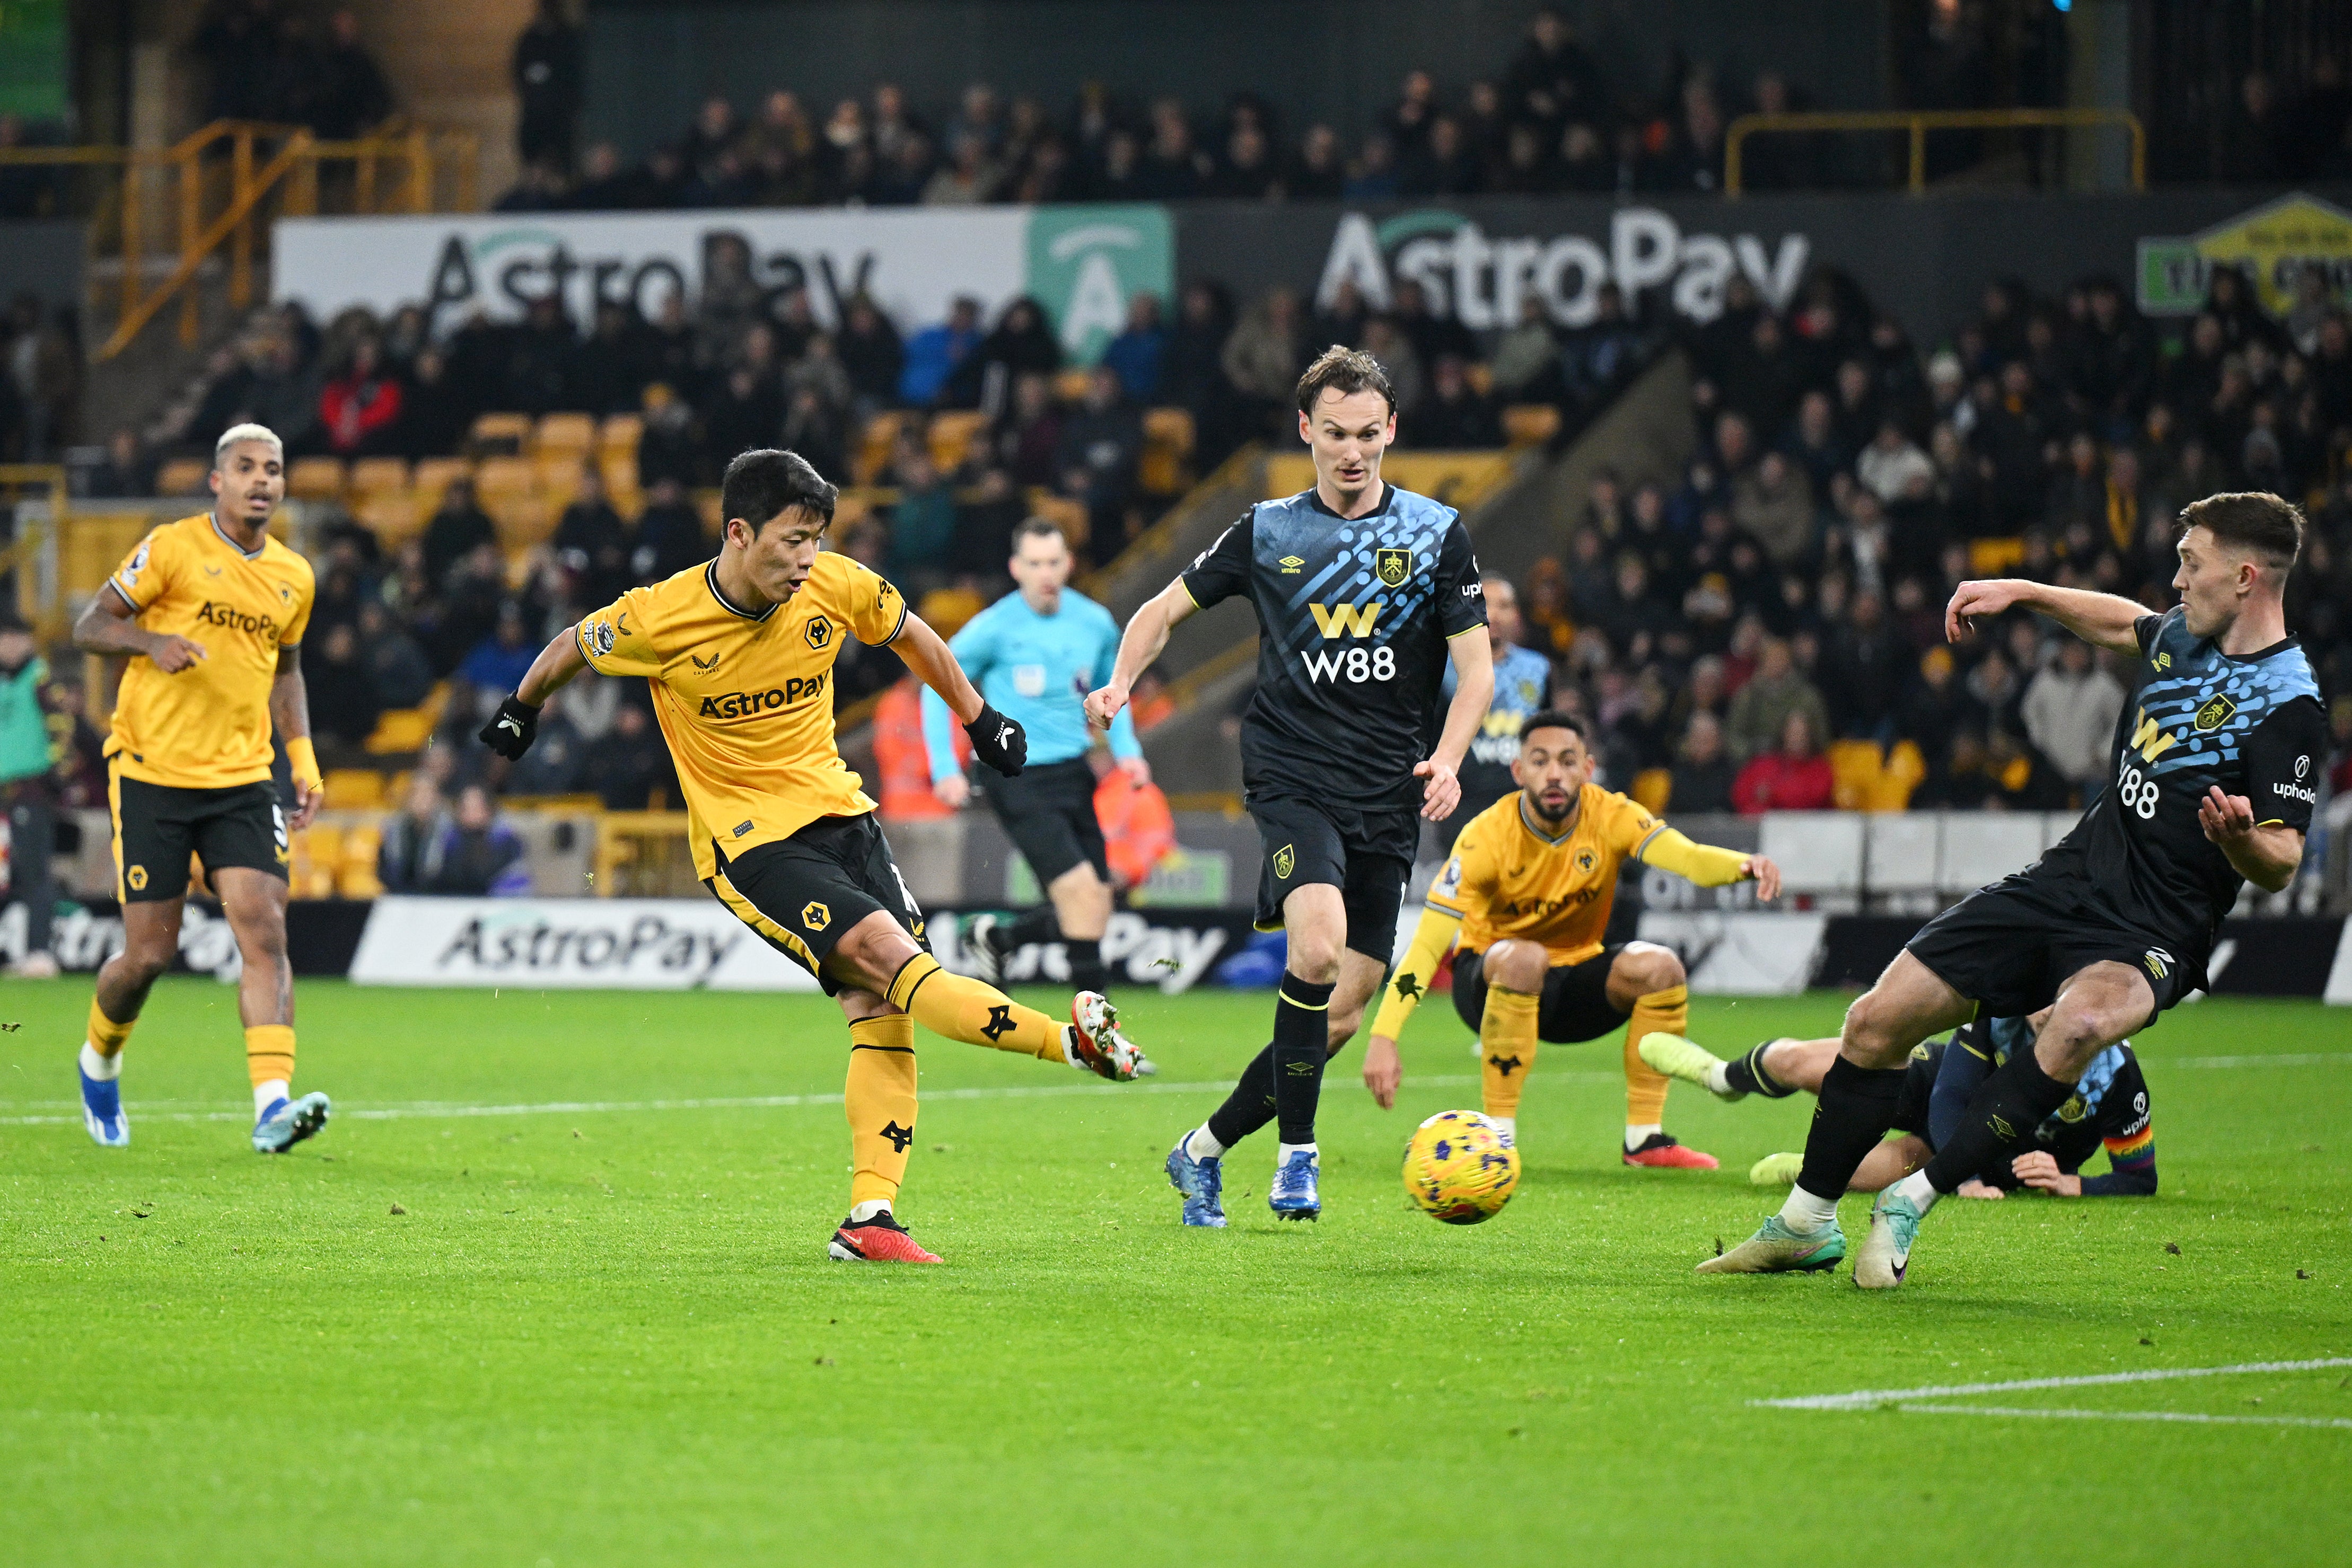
(1457,1167)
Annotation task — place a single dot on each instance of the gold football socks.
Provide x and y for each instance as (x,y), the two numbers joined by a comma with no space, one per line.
(1507,1048)
(961,1008)
(879,1098)
(1668,1012)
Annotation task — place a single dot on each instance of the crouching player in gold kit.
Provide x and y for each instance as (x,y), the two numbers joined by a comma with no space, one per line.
(1529,890)
(740,655)
(210,610)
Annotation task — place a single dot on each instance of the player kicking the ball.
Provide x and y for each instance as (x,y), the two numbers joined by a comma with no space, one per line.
(739,652)
(1527,891)
(2214,788)
(1361,591)
(211,610)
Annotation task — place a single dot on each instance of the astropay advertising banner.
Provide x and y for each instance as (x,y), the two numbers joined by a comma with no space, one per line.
(632,943)
(1083,264)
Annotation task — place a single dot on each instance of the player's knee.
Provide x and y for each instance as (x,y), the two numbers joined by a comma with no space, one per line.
(1870,1030)
(1313,954)
(1514,966)
(143,964)
(1649,968)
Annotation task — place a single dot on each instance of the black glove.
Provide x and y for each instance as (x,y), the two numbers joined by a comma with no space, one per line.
(998,741)
(510,734)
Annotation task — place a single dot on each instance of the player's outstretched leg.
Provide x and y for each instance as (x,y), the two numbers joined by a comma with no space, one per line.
(101,1075)
(961,1008)
(1729,1081)
(879,1100)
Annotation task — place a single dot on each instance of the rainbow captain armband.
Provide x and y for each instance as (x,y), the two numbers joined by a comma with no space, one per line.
(302,758)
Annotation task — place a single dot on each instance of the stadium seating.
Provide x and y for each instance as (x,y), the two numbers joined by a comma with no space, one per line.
(1820,852)
(315,478)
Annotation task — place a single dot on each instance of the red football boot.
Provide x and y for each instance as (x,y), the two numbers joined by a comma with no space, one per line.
(1660,1152)
(881,1239)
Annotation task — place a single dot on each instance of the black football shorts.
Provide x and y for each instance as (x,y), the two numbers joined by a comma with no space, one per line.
(2009,946)
(801,893)
(1575,1004)
(1366,854)
(1048,813)
(158,826)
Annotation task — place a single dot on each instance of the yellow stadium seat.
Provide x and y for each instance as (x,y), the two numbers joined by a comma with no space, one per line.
(183,477)
(374,475)
(1853,768)
(1529,423)
(1891,790)
(620,432)
(1991,558)
(1480,377)
(574,433)
(1168,442)
(315,478)
(393,516)
(945,609)
(355,871)
(874,444)
(1070,385)
(311,871)
(400,729)
(951,436)
(1065,514)
(433,477)
(1652,787)
(354,789)
(500,435)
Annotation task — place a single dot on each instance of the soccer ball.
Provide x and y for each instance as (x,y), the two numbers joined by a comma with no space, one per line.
(1457,1167)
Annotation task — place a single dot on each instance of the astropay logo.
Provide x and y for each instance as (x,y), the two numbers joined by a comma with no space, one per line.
(1484,280)
(1086,263)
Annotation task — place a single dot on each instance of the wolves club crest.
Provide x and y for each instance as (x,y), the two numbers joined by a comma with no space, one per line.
(1394,566)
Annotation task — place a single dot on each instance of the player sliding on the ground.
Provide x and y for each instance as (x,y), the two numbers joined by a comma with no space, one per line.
(1529,890)
(1034,654)
(2212,788)
(739,652)
(2109,1109)
(211,610)
(1362,590)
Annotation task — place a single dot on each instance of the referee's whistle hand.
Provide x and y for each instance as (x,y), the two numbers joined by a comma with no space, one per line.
(1442,793)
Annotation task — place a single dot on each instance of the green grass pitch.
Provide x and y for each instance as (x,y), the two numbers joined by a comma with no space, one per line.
(604,1330)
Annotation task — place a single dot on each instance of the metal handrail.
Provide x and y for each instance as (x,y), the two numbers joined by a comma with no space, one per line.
(1919,122)
(420,152)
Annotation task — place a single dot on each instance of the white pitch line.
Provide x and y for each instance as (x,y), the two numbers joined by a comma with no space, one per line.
(2130,1416)
(428,1109)
(2284,1058)
(1866,1398)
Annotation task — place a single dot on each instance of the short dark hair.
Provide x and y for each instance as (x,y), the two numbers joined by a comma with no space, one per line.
(1347,371)
(1554,718)
(1035,528)
(763,483)
(2253,520)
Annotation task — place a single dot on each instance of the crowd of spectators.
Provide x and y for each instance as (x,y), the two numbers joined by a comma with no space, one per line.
(1549,121)
(1786,590)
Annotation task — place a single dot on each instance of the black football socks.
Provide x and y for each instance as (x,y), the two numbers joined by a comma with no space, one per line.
(1747,1075)
(1302,1030)
(1857,1106)
(1087,970)
(2000,1121)
(1250,1104)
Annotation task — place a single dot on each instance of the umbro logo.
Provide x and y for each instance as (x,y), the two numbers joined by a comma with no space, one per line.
(1290,565)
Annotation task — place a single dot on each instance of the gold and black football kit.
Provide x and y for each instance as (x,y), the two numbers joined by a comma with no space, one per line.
(189,756)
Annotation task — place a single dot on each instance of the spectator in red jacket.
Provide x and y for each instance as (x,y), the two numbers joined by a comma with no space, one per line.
(360,407)
(1796,778)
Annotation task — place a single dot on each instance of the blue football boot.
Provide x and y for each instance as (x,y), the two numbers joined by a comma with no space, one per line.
(288,1121)
(102,1111)
(1202,1183)
(1293,1195)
